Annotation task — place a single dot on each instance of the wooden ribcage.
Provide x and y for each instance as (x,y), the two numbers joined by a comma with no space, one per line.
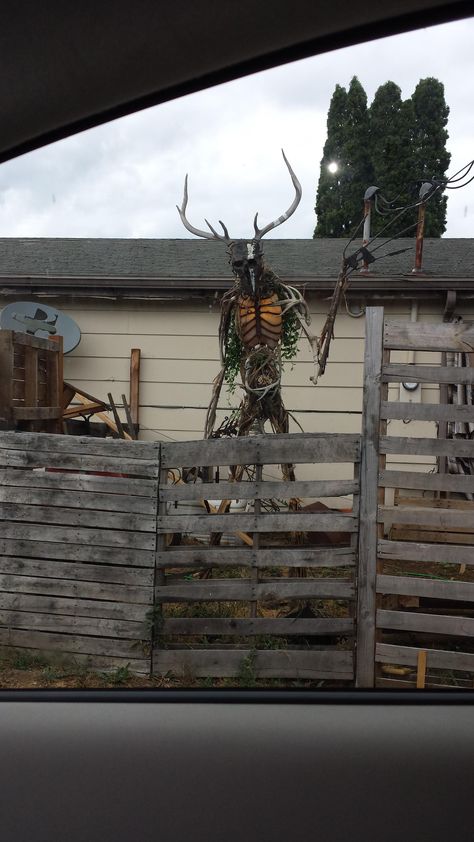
(259,322)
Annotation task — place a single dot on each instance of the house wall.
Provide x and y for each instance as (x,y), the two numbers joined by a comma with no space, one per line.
(178,341)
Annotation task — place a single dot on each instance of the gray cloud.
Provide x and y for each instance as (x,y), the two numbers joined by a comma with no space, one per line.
(124,179)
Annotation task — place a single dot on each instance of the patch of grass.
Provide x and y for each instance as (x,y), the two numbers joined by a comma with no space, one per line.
(247,676)
(118,677)
(24,660)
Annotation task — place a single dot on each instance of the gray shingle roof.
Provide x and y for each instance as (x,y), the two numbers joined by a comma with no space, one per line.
(200,259)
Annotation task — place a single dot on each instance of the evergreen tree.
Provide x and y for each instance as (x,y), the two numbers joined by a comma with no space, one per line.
(338,201)
(394,145)
(391,145)
(431,159)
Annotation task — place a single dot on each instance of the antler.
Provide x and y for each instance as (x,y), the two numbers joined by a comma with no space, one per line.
(259,233)
(213,235)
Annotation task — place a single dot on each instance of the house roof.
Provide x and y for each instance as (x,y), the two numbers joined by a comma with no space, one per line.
(126,266)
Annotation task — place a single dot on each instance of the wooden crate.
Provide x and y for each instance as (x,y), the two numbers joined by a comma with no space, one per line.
(31,381)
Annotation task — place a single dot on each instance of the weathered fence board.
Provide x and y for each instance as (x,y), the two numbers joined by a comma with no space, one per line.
(426,412)
(82,500)
(73,445)
(428,623)
(245,589)
(430,588)
(423,516)
(421,336)
(436,658)
(257,626)
(268,522)
(425,447)
(63,515)
(79,535)
(115,594)
(296,448)
(114,561)
(334,665)
(258,490)
(368,500)
(427,482)
(275,557)
(417,551)
(11,458)
(397,373)
(118,486)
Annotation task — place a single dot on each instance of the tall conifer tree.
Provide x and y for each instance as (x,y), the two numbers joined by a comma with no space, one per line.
(431,159)
(394,145)
(338,202)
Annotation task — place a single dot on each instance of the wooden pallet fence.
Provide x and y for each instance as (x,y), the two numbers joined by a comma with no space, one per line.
(425,545)
(246,611)
(77,547)
(31,382)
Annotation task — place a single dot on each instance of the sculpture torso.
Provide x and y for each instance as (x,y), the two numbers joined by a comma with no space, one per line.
(259,321)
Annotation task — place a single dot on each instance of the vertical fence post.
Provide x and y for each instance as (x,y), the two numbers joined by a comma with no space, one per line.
(367,571)
(158,571)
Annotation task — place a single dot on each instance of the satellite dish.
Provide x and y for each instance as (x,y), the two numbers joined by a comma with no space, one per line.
(38,319)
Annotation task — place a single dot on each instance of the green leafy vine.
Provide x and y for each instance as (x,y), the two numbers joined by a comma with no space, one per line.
(234,349)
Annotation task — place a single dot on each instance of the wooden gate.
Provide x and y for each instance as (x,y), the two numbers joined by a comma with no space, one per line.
(266,592)
(419,583)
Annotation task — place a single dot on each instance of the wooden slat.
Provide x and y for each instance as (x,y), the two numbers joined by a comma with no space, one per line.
(442,503)
(258,626)
(409,373)
(426,447)
(70,607)
(430,588)
(66,461)
(80,445)
(76,552)
(421,336)
(30,374)
(368,499)
(109,594)
(408,551)
(36,413)
(296,448)
(436,658)
(34,341)
(74,625)
(426,411)
(243,589)
(423,516)
(77,517)
(268,522)
(70,643)
(71,661)
(78,500)
(135,354)
(79,482)
(428,482)
(195,556)
(428,623)
(38,565)
(436,536)
(79,535)
(258,490)
(265,663)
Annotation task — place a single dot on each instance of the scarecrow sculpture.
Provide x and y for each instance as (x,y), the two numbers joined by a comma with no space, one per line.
(261,320)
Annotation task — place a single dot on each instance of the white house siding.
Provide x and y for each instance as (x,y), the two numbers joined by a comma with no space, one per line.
(179,358)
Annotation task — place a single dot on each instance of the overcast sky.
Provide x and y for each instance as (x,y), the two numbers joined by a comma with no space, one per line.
(125,179)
